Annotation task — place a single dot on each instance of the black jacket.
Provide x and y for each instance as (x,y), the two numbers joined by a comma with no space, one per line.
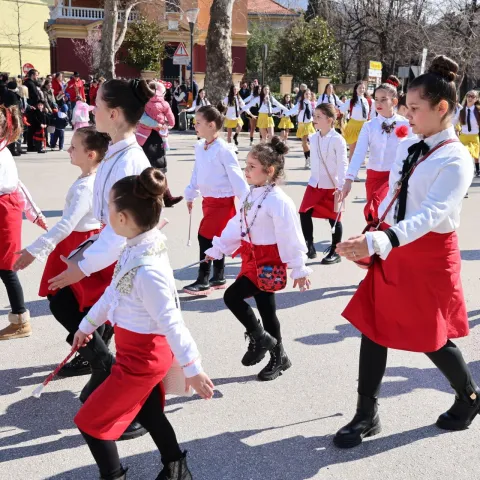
(155,152)
(11,98)
(32,92)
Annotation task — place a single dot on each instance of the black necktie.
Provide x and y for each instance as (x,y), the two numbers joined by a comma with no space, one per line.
(236,107)
(307,110)
(364,109)
(469,125)
(414,153)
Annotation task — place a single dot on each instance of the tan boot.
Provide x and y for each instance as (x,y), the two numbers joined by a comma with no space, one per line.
(19,326)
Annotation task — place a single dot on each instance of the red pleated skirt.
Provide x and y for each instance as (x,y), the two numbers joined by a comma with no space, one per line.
(216,214)
(10,229)
(142,361)
(264,254)
(88,290)
(322,202)
(377,189)
(414,299)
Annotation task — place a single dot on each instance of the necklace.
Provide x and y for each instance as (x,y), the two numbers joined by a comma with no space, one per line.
(206,146)
(248,206)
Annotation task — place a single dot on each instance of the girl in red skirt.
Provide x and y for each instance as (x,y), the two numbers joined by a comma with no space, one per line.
(379,138)
(14,199)
(78,223)
(149,329)
(329,165)
(266,233)
(217,177)
(412,297)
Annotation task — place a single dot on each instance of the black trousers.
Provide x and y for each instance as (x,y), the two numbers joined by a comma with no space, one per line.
(373,361)
(234,299)
(14,291)
(307,228)
(155,422)
(205,244)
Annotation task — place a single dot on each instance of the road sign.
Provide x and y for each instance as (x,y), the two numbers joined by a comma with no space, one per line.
(181,51)
(27,67)
(374,73)
(403,72)
(375,65)
(181,60)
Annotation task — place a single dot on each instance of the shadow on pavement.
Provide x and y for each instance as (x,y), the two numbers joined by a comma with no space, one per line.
(470,254)
(343,331)
(38,308)
(11,381)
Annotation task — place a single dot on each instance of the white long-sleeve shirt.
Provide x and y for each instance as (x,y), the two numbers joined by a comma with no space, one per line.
(232,112)
(333,150)
(276,223)
(144,301)
(435,193)
(381,146)
(122,159)
(302,114)
(473,121)
(216,172)
(357,112)
(77,216)
(333,99)
(266,107)
(194,108)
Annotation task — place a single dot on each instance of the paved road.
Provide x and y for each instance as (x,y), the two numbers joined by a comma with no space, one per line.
(280,430)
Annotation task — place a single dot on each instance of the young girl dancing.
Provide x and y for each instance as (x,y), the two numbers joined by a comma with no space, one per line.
(379,138)
(329,165)
(469,120)
(140,303)
(398,305)
(266,233)
(233,120)
(217,177)
(286,123)
(78,224)
(253,110)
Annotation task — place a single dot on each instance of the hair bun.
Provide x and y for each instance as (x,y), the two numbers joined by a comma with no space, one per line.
(151,183)
(444,67)
(221,107)
(141,90)
(279,146)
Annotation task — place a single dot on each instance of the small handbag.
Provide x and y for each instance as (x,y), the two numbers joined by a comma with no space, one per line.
(374,226)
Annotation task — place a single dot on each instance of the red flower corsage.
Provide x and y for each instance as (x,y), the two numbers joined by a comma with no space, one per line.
(401,131)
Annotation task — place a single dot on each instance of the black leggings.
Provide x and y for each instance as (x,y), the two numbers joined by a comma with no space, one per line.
(205,244)
(14,291)
(154,420)
(234,299)
(373,361)
(307,228)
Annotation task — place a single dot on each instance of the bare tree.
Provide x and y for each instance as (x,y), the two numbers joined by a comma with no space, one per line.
(89,50)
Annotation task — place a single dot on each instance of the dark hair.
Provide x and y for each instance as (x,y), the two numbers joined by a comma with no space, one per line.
(40,102)
(402,100)
(10,123)
(130,96)
(284,100)
(271,155)
(198,99)
(93,140)
(329,85)
(463,114)
(32,72)
(438,83)
(389,87)
(57,75)
(354,100)
(302,99)
(231,96)
(141,196)
(256,90)
(328,109)
(214,114)
(262,94)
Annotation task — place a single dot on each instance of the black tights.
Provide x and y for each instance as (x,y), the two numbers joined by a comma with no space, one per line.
(234,299)
(14,291)
(373,361)
(205,244)
(154,420)
(307,228)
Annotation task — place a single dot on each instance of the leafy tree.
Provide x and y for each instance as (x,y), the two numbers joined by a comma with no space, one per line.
(146,50)
(307,50)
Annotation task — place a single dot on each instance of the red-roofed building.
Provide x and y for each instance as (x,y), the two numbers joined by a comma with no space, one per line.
(271,12)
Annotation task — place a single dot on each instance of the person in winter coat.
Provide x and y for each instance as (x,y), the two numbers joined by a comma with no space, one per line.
(31,84)
(10,98)
(80,116)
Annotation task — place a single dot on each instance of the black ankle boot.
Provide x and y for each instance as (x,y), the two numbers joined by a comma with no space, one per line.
(134,430)
(201,286)
(312,253)
(122,476)
(260,343)
(101,368)
(218,281)
(331,257)
(279,362)
(365,423)
(463,410)
(235,139)
(75,368)
(176,470)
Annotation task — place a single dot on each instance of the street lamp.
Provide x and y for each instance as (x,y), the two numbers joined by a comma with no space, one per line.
(191,15)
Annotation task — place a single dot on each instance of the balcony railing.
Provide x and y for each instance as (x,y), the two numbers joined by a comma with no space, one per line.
(84,13)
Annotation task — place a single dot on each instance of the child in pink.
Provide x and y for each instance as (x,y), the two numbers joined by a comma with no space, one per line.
(80,116)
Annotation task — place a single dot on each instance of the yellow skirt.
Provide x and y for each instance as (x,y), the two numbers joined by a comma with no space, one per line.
(233,123)
(305,129)
(352,131)
(285,123)
(264,121)
(472,142)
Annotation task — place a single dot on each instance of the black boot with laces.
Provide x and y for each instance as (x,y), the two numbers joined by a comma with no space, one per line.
(76,367)
(279,362)
(260,343)
(176,470)
(331,257)
(312,253)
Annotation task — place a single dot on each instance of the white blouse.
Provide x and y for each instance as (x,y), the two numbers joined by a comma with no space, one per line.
(266,107)
(435,193)
(276,223)
(473,121)
(357,112)
(194,108)
(77,216)
(381,146)
(302,114)
(333,149)
(232,112)
(8,171)
(333,99)
(216,172)
(144,301)
(122,159)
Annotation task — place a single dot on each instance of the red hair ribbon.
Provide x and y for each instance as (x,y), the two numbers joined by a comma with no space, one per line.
(393,82)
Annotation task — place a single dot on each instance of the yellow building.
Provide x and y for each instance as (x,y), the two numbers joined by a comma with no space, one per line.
(31,15)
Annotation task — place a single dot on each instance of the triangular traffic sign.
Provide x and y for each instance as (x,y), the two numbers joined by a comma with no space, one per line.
(181,51)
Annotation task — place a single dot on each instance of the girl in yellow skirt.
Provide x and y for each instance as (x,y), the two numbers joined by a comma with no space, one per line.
(468,119)
(286,123)
(359,109)
(233,120)
(253,110)
(266,103)
(304,111)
